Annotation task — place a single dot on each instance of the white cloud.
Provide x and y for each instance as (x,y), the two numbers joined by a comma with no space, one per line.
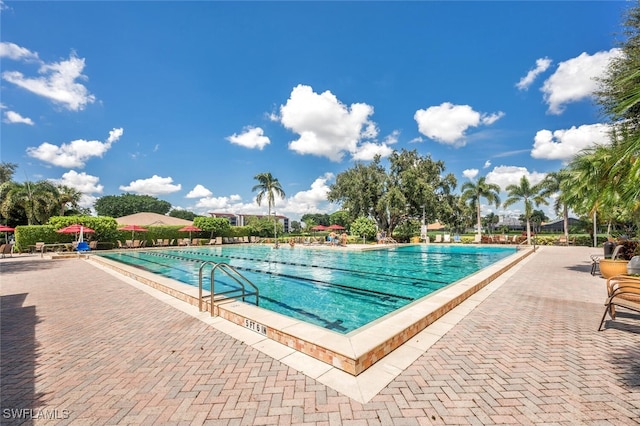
(447,123)
(58,82)
(542,64)
(88,201)
(489,119)
(486,164)
(252,137)
(154,185)
(199,191)
(17,53)
(312,200)
(392,138)
(470,173)
(367,150)
(327,127)
(510,175)
(13,117)
(87,184)
(114,135)
(219,204)
(75,153)
(575,79)
(564,144)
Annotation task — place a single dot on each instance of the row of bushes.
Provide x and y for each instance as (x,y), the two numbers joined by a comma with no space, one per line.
(107,233)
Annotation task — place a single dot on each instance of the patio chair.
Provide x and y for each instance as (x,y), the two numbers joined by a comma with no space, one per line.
(438,238)
(6,249)
(39,247)
(446,238)
(623,291)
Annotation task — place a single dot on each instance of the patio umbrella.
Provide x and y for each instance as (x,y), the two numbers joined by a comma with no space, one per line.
(319,228)
(6,229)
(335,227)
(189,229)
(133,229)
(76,229)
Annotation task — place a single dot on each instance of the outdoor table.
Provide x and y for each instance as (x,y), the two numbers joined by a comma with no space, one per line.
(55,247)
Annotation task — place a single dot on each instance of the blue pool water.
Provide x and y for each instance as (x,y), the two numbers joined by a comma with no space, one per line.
(340,290)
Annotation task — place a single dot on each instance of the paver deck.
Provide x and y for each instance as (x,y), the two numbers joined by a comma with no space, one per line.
(85,347)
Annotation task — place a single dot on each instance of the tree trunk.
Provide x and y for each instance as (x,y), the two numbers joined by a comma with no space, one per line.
(565,216)
(479,219)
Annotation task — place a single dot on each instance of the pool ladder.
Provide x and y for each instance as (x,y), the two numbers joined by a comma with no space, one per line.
(237,293)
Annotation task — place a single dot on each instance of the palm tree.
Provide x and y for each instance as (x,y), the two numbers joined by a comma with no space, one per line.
(66,196)
(473,192)
(267,186)
(551,185)
(38,201)
(589,187)
(527,193)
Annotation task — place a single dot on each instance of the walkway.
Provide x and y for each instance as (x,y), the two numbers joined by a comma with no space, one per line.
(84,347)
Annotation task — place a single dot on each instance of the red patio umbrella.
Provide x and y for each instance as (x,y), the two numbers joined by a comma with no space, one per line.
(335,227)
(75,229)
(133,229)
(5,229)
(319,228)
(189,229)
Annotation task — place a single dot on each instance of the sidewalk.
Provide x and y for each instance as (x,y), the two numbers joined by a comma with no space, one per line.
(84,347)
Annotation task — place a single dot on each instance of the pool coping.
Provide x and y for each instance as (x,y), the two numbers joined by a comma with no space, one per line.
(353,353)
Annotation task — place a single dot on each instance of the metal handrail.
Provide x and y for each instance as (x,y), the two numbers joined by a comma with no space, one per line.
(389,240)
(232,273)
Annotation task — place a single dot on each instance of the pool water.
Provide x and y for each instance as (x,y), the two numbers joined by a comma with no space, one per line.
(341,290)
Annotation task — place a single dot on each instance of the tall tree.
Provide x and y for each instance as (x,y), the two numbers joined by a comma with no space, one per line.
(550,186)
(619,97)
(182,214)
(419,184)
(413,183)
(473,192)
(311,219)
(268,186)
(68,197)
(37,201)
(126,204)
(6,171)
(359,189)
(530,195)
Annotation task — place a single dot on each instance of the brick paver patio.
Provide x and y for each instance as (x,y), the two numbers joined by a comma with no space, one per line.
(84,347)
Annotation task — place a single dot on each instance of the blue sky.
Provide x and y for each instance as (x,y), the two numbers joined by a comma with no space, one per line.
(188,101)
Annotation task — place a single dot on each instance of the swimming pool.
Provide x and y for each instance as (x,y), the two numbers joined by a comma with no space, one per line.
(340,290)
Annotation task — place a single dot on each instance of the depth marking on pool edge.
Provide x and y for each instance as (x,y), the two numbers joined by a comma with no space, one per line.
(255,326)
